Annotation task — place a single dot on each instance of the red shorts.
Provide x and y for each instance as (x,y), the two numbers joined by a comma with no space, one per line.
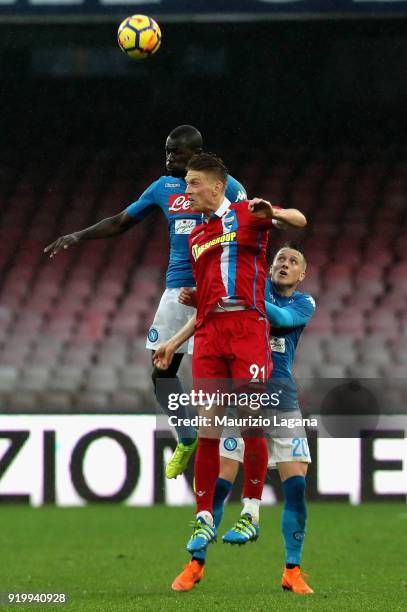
(232,345)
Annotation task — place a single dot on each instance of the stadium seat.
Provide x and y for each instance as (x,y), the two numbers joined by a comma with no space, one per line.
(363,370)
(330,370)
(72,329)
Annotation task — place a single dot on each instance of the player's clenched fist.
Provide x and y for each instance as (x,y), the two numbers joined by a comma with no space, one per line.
(163,355)
(187,296)
(261,208)
(63,242)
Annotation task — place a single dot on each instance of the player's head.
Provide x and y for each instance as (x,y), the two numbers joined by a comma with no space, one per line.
(288,267)
(183,142)
(206,180)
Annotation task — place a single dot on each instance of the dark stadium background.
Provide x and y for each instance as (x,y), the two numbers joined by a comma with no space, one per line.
(310,113)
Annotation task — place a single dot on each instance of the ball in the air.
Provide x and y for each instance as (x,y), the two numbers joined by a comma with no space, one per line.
(139,36)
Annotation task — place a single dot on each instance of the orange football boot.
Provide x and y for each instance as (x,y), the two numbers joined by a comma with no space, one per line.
(191,574)
(293,581)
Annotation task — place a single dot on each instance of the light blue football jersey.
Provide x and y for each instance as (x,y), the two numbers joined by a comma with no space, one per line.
(168,193)
(284,341)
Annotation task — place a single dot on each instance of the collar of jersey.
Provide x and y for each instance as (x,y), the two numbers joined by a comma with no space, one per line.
(223,208)
(276,295)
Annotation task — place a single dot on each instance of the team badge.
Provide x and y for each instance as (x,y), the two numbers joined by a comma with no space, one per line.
(230,444)
(153,334)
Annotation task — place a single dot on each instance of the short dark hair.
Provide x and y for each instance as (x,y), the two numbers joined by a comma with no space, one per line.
(187,134)
(295,246)
(208,162)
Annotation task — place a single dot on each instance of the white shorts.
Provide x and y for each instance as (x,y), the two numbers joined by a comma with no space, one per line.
(280,450)
(168,320)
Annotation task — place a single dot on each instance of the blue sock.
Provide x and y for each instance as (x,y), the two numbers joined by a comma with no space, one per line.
(294,519)
(187,441)
(222,490)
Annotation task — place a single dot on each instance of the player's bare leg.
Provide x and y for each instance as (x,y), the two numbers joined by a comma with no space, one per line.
(294,520)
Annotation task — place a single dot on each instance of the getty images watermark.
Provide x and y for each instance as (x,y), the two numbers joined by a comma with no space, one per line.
(328,408)
(235,402)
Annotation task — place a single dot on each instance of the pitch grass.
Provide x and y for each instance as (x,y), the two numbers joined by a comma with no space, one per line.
(114,558)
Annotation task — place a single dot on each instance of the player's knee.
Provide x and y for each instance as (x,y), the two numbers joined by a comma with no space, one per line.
(228,469)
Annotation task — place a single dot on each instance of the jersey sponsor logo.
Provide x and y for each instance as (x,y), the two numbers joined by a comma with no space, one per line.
(178,204)
(172,185)
(197,249)
(184,226)
(152,334)
(277,344)
(230,444)
(197,236)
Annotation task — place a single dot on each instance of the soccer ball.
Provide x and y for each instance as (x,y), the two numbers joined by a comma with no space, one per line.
(139,36)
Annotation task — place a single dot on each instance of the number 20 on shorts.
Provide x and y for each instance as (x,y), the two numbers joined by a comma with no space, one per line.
(300,447)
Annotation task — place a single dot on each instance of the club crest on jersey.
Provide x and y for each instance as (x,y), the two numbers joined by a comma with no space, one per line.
(198,249)
(178,203)
(229,221)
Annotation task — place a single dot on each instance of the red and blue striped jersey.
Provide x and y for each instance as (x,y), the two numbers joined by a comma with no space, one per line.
(228,255)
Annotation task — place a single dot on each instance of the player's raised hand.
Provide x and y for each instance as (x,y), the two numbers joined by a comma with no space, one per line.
(163,356)
(262,209)
(187,296)
(63,242)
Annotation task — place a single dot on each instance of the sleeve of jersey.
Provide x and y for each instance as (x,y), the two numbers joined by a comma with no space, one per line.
(296,314)
(145,204)
(235,192)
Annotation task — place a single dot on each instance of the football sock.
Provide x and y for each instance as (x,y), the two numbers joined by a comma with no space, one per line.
(206,516)
(252,507)
(222,489)
(206,473)
(198,559)
(163,387)
(294,519)
(186,441)
(254,464)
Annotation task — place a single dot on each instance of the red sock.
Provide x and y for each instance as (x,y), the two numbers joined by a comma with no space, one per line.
(206,473)
(254,464)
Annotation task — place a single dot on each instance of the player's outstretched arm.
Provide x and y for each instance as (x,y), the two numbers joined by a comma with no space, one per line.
(111,226)
(289,217)
(165,352)
(297,315)
(284,217)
